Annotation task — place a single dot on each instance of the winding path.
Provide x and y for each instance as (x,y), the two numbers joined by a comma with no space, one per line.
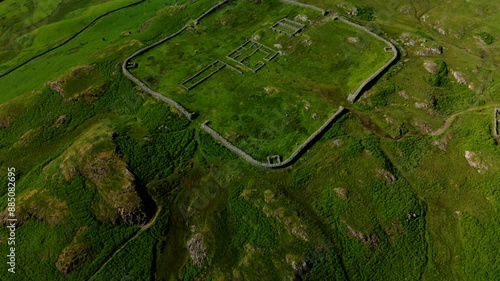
(446,125)
(454,116)
(141,230)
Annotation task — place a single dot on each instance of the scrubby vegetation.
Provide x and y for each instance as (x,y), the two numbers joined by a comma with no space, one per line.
(114,185)
(365,13)
(441,76)
(487,37)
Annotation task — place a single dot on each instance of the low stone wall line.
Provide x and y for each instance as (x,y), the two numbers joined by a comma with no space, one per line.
(143,86)
(282,164)
(216,6)
(354,96)
(323,12)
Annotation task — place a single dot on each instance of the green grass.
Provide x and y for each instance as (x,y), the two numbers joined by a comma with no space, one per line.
(277,120)
(463,24)
(133,262)
(39,26)
(90,47)
(32,235)
(254,221)
(83,200)
(462,198)
(305,191)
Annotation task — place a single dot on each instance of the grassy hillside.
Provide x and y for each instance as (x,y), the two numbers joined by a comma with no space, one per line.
(31,27)
(99,42)
(274,110)
(114,185)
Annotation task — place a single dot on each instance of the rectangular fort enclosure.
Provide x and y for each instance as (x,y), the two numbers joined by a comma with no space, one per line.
(267,75)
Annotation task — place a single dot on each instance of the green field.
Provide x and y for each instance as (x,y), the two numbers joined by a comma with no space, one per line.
(32,27)
(112,184)
(275,109)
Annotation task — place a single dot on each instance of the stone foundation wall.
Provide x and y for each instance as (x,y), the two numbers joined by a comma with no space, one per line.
(144,87)
(282,164)
(215,7)
(354,96)
(190,115)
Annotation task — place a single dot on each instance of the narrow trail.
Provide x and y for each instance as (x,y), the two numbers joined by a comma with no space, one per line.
(141,230)
(446,125)
(454,116)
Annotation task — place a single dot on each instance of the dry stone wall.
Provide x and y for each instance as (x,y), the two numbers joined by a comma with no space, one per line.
(215,7)
(216,65)
(354,96)
(282,164)
(144,87)
(190,115)
(322,11)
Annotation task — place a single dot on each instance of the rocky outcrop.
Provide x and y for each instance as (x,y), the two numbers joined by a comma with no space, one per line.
(135,216)
(370,239)
(60,121)
(425,52)
(93,155)
(73,257)
(38,204)
(423,126)
(421,104)
(353,40)
(475,162)
(91,90)
(342,193)
(443,143)
(77,253)
(386,175)
(197,250)
(403,94)
(337,142)
(459,77)
(430,66)
(299,265)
